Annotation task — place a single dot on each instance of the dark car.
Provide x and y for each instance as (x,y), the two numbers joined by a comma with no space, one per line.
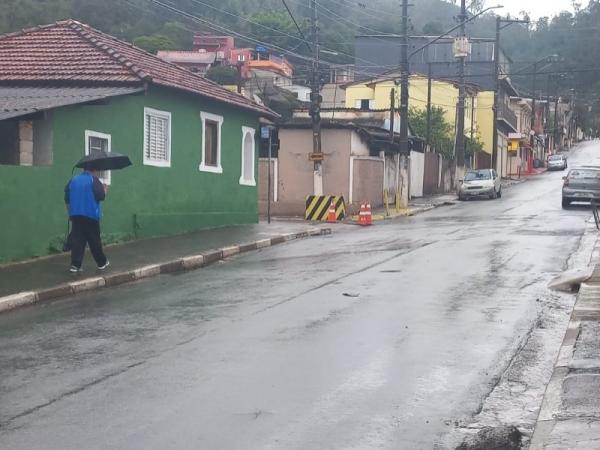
(581,185)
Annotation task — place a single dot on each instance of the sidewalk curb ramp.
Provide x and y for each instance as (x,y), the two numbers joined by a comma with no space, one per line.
(186,263)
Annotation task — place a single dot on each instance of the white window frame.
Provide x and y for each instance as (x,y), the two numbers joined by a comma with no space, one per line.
(108,137)
(163,115)
(204,116)
(252,133)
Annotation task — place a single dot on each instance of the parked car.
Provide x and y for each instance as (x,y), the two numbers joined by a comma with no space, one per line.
(581,185)
(557,162)
(480,183)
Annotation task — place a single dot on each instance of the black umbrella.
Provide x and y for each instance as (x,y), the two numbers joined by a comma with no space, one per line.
(101,160)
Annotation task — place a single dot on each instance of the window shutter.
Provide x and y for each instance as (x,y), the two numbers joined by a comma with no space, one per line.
(157,138)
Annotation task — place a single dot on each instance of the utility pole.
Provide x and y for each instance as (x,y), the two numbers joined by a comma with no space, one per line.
(460,123)
(533,112)
(573,125)
(315,106)
(404,159)
(547,119)
(429,81)
(404,79)
(392,113)
(556,134)
(473,123)
(496,92)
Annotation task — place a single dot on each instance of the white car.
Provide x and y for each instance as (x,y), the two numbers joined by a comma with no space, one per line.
(557,162)
(480,183)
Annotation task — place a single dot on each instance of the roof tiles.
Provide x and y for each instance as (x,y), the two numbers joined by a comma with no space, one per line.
(16,101)
(75,53)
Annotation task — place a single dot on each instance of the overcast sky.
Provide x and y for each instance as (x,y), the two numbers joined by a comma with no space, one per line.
(537,8)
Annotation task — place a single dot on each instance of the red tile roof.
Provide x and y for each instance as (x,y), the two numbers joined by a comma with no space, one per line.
(72,52)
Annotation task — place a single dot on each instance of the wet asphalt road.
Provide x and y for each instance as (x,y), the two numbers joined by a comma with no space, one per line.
(369,338)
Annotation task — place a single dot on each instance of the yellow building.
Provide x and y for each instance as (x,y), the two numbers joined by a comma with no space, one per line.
(485,122)
(376,94)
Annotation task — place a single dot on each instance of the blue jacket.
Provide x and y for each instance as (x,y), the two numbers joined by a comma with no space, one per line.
(83,194)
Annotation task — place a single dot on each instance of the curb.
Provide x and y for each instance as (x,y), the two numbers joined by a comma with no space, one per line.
(586,309)
(186,263)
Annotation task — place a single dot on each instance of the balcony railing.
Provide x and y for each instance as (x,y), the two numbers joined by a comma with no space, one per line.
(507,115)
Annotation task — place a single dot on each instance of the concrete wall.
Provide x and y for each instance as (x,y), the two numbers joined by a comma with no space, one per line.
(516,164)
(263,182)
(368,181)
(296,171)
(417,172)
(503,155)
(391,181)
(143,200)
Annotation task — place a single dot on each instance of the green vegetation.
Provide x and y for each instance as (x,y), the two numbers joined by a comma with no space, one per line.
(155,43)
(573,36)
(224,75)
(441,131)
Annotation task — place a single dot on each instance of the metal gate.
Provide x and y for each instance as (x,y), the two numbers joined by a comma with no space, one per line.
(431,177)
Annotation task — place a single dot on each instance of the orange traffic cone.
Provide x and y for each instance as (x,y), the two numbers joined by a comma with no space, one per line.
(368,215)
(331,214)
(362,215)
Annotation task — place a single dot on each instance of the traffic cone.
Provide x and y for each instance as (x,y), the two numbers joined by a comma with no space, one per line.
(362,215)
(368,215)
(331,214)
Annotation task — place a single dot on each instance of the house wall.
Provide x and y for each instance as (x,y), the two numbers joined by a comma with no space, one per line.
(503,162)
(367,183)
(485,120)
(417,172)
(143,201)
(443,95)
(295,171)
(263,185)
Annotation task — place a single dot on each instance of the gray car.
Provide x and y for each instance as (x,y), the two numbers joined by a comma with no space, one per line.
(581,185)
(480,183)
(557,162)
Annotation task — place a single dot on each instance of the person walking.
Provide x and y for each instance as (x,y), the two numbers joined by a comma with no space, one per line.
(83,195)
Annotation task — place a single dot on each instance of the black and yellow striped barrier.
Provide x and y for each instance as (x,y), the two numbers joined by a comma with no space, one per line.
(317,207)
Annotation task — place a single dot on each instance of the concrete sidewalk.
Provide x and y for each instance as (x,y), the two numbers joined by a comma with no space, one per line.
(48,277)
(570,413)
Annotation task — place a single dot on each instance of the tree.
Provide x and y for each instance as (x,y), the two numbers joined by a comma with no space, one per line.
(154,43)
(473,145)
(433,28)
(441,131)
(224,75)
(277,27)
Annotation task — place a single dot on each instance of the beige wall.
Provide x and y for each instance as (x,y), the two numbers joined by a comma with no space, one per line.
(296,171)
(263,182)
(368,181)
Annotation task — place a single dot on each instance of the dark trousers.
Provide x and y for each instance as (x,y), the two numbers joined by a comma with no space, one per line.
(86,231)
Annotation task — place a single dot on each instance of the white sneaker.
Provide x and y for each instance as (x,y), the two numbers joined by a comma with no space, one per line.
(75,269)
(104,266)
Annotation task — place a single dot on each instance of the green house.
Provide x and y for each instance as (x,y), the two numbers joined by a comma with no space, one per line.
(67,90)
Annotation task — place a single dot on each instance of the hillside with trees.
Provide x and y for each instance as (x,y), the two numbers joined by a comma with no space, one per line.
(575,37)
